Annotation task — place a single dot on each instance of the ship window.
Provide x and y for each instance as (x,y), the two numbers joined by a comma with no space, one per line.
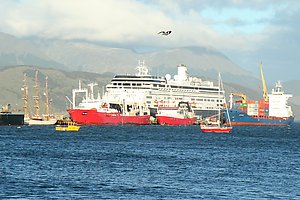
(127,84)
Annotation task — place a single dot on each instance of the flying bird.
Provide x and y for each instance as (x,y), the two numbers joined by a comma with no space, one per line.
(165,32)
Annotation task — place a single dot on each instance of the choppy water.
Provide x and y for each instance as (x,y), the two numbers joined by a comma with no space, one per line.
(150,162)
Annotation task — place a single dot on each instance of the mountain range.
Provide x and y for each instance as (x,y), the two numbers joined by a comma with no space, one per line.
(83,56)
(65,62)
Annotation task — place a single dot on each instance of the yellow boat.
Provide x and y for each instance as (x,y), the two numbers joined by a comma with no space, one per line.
(71,126)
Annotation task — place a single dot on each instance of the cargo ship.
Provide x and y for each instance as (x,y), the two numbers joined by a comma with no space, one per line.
(7,117)
(272,110)
(96,111)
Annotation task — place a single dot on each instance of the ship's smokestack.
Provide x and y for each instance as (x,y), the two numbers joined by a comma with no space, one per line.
(182,73)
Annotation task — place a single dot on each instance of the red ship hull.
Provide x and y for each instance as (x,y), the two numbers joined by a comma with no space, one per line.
(173,121)
(94,117)
(216,129)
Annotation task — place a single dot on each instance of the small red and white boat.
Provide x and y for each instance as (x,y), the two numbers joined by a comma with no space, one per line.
(96,112)
(216,124)
(216,128)
(182,115)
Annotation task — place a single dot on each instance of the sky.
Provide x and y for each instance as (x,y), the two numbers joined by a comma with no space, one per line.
(246,31)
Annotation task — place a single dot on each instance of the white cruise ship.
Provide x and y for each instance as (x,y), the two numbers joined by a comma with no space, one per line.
(155,91)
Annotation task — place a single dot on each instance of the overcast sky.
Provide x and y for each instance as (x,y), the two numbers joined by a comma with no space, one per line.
(246,31)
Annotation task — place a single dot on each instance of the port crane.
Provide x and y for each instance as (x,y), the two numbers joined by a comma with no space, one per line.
(265,92)
(243,98)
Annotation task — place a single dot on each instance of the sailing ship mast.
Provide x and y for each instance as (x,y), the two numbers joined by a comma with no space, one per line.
(25,107)
(36,97)
(219,127)
(219,107)
(226,107)
(47,98)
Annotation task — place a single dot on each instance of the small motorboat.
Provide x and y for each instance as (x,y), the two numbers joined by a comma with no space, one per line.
(70,126)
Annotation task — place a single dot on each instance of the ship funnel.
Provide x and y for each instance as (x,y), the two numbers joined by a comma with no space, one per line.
(182,73)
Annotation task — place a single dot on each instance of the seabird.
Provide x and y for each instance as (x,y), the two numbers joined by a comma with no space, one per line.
(164,32)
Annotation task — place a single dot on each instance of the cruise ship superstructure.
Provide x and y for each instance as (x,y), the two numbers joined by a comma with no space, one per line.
(156,91)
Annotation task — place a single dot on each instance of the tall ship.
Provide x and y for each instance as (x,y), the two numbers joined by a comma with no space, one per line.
(7,117)
(36,118)
(158,91)
(272,110)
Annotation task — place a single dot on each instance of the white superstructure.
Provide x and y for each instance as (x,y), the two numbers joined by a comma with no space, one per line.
(155,91)
(278,102)
(88,100)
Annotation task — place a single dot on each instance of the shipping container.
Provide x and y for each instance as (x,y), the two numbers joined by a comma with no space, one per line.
(252,109)
(261,112)
(252,106)
(267,105)
(244,109)
(266,114)
(252,113)
(266,110)
(243,105)
(250,102)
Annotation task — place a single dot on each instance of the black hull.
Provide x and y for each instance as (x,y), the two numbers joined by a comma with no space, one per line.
(11,119)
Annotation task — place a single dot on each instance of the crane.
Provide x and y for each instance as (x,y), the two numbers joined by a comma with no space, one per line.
(243,98)
(265,92)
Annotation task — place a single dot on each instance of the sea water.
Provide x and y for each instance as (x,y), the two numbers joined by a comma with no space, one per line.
(149,162)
